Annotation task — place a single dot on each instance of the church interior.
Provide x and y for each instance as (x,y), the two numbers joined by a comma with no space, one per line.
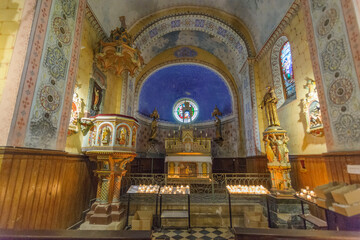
(180,119)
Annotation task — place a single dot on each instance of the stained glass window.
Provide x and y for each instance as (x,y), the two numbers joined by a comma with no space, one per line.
(182,114)
(287,70)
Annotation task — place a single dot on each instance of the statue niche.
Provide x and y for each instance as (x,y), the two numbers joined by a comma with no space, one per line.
(154,125)
(123,135)
(218,135)
(97,97)
(311,110)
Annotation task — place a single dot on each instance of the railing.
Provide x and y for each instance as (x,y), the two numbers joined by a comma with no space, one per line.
(210,183)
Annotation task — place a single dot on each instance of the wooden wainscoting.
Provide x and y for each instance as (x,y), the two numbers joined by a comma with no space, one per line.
(337,166)
(308,170)
(43,189)
(314,170)
(256,164)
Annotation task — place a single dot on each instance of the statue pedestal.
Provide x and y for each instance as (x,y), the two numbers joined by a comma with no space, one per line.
(279,166)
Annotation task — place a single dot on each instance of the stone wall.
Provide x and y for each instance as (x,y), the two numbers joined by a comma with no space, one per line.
(10,18)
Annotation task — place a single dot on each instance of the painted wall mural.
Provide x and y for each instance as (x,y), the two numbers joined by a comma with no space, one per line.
(339,79)
(46,124)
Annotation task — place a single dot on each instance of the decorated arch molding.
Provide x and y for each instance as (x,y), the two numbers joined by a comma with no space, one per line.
(276,71)
(222,32)
(233,22)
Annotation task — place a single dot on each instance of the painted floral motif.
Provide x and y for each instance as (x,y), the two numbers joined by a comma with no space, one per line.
(327,22)
(348,128)
(318,4)
(61,30)
(49,98)
(69,7)
(43,130)
(340,91)
(333,55)
(56,62)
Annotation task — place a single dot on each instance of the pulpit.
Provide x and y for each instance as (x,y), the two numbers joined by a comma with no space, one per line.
(188,156)
(110,141)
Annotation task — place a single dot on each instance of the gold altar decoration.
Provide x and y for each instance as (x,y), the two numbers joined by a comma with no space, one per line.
(188,156)
(109,143)
(245,189)
(277,153)
(118,55)
(311,110)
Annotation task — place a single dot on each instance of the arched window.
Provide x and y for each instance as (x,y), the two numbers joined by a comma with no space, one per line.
(287,72)
(282,71)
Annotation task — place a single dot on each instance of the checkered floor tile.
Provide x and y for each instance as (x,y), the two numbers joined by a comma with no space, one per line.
(196,233)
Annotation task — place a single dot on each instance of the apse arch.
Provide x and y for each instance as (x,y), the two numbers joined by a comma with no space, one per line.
(153,32)
(190,80)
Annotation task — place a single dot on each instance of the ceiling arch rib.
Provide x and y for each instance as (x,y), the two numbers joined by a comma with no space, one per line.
(198,23)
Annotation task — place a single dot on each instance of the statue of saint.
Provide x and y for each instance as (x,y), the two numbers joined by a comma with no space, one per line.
(106,135)
(155,116)
(216,113)
(269,103)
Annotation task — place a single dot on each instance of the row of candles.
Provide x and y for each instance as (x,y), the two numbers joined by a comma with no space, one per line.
(306,194)
(163,190)
(247,189)
(175,189)
(148,188)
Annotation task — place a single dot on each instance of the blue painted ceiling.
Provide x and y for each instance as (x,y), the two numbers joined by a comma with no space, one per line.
(165,86)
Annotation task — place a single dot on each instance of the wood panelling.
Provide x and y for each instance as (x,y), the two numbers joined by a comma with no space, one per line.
(229,165)
(42,189)
(256,164)
(308,170)
(337,165)
(314,170)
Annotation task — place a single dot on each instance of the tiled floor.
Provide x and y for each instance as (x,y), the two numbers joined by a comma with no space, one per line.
(196,233)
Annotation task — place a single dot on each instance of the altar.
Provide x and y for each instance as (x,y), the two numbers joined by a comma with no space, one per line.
(188,156)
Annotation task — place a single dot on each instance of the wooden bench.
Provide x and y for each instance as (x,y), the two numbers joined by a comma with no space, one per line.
(75,234)
(293,234)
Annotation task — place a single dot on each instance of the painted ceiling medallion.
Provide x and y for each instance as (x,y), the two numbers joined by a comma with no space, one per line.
(56,62)
(61,30)
(69,7)
(49,98)
(340,91)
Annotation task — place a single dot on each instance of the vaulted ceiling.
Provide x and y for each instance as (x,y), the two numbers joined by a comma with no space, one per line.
(261,17)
